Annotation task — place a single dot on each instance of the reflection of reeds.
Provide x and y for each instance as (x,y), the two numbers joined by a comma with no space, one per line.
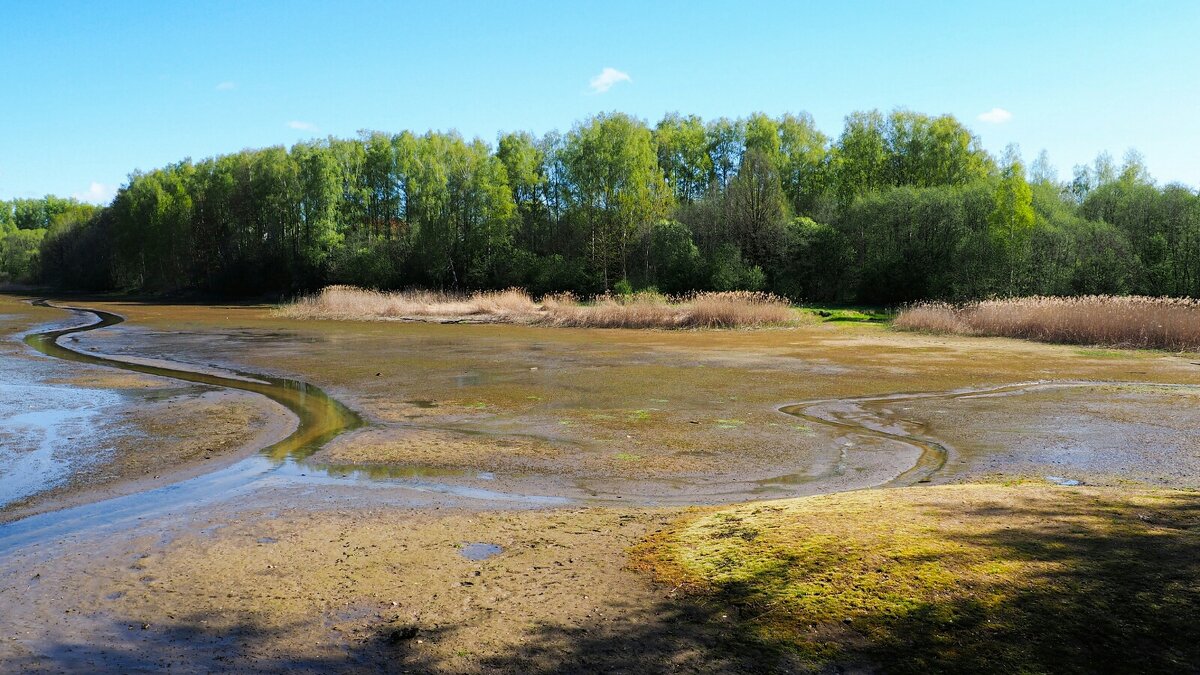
(1109,320)
(640,310)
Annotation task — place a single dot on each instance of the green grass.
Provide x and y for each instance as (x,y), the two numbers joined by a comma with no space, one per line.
(968,578)
(850,314)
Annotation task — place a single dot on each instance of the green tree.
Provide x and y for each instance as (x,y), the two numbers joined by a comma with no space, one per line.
(1012,219)
(682,147)
(616,185)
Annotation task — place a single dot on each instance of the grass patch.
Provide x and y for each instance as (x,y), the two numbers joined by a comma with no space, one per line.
(971,578)
(850,314)
(1103,320)
(641,310)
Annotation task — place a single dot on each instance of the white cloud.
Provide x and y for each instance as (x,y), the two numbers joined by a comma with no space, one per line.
(97,193)
(302,126)
(225,86)
(606,79)
(996,116)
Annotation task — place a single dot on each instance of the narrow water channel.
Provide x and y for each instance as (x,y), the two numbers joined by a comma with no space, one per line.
(320,416)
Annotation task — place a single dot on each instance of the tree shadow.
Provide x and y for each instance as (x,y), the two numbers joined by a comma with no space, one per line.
(673,635)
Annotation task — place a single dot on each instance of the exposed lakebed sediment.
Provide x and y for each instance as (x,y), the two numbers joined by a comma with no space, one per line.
(868,441)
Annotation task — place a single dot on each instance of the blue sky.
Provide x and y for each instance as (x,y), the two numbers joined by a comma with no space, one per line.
(94,90)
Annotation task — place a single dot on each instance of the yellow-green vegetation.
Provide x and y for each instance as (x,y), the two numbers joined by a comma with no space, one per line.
(1009,578)
(850,314)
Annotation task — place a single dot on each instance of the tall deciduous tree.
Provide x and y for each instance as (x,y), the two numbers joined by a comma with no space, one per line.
(616,185)
(1012,219)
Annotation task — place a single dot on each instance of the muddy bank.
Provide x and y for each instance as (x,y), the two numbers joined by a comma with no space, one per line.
(360,590)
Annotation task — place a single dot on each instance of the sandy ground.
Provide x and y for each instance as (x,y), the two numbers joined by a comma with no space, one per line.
(309,589)
(355,576)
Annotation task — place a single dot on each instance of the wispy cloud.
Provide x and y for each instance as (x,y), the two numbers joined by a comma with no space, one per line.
(97,193)
(607,79)
(996,116)
(302,126)
(225,86)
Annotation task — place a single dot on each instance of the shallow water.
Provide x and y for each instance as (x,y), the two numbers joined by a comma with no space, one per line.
(479,551)
(41,427)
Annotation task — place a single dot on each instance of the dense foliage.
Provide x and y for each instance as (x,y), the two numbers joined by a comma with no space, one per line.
(898,207)
(29,230)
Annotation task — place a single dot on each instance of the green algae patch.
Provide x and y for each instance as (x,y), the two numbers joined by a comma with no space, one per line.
(964,578)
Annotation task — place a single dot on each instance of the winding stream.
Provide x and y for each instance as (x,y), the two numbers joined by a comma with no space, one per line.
(320,416)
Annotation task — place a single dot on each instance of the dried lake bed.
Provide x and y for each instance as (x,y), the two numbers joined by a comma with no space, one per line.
(146,528)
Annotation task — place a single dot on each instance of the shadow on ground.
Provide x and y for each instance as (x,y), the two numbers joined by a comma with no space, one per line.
(674,636)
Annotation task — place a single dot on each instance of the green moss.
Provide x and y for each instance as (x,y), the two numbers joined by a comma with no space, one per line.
(973,578)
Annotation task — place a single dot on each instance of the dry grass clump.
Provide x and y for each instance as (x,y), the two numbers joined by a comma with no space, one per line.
(349,302)
(651,310)
(640,310)
(1108,320)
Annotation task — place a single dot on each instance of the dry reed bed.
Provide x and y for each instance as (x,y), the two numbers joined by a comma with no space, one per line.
(1104,320)
(641,310)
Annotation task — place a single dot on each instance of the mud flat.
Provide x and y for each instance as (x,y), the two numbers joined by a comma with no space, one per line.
(552,450)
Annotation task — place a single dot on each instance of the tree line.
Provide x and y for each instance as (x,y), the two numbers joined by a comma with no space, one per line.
(898,207)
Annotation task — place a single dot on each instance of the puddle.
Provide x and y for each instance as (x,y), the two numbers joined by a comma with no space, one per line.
(1059,480)
(479,551)
(422,403)
(469,379)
